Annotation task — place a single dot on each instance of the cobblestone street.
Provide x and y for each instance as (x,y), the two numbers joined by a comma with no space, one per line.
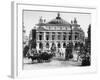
(52,64)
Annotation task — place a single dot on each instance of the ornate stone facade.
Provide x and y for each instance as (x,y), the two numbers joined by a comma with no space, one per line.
(58,33)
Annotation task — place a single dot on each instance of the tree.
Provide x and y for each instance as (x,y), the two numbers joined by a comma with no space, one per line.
(25,51)
(33,44)
(68,53)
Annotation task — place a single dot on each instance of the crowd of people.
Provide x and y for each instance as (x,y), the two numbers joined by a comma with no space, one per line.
(42,56)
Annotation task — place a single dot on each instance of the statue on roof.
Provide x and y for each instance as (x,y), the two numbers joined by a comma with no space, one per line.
(58,16)
(71,22)
(75,21)
(41,20)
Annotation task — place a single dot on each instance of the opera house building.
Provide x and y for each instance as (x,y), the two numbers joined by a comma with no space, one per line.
(58,33)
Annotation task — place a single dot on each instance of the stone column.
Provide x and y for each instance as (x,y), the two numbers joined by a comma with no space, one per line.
(37,47)
(61,35)
(67,37)
(55,35)
(73,36)
(56,43)
(44,44)
(43,35)
(50,36)
(50,44)
(37,36)
(61,44)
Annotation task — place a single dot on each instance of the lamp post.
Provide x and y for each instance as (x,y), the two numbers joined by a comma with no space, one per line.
(71,40)
(71,32)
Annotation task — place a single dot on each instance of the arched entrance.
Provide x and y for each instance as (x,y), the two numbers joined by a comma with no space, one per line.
(40,45)
(64,45)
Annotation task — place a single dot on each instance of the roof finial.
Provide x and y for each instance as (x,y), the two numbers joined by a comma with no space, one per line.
(89,25)
(75,21)
(71,22)
(41,20)
(58,16)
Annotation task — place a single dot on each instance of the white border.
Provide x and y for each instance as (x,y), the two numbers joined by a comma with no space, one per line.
(17,41)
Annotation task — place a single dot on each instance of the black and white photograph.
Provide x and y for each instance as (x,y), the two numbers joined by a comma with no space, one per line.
(53,39)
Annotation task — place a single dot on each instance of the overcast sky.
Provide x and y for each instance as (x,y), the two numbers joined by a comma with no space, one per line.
(32,17)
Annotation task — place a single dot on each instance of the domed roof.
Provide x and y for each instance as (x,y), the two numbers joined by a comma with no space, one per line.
(58,21)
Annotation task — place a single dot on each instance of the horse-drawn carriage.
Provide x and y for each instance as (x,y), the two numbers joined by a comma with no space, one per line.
(39,56)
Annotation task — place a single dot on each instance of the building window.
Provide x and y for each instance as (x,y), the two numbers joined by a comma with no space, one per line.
(76,36)
(40,36)
(64,45)
(40,45)
(47,35)
(53,44)
(70,37)
(64,37)
(53,35)
(47,45)
(59,45)
(60,27)
(59,35)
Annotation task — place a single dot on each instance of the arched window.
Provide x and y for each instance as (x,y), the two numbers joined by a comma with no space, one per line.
(40,35)
(47,35)
(76,36)
(70,36)
(53,35)
(59,35)
(64,35)
(40,45)
(59,45)
(53,44)
(47,45)
(64,45)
